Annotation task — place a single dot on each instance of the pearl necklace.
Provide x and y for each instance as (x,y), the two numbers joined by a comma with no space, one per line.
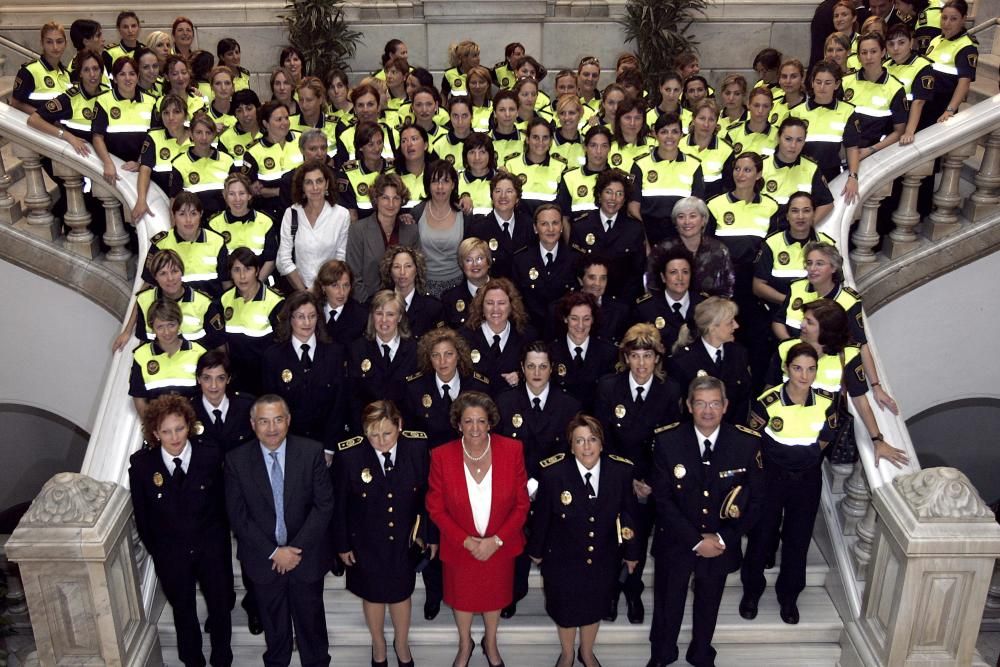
(477,459)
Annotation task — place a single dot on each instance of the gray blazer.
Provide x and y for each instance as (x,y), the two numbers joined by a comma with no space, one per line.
(365,247)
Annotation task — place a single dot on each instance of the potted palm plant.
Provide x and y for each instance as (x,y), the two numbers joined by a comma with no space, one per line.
(661,32)
(319,30)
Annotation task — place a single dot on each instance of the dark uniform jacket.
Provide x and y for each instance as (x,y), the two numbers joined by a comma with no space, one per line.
(692,498)
(542,433)
(375,513)
(540,285)
(624,246)
(424,313)
(425,409)
(502,246)
(308,497)
(652,307)
(316,398)
(491,364)
(455,302)
(579,380)
(234,430)
(628,427)
(349,325)
(691,361)
(373,379)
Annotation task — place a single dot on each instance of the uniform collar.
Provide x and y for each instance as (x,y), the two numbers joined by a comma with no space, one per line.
(787,400)
(200,239)
(789,239)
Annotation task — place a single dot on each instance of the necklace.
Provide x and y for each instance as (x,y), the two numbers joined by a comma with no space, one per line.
(477,459)
(434,216)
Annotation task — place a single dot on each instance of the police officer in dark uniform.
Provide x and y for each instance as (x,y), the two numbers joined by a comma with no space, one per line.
(614,234)
(344,317)
(379,363)
(180,513)
(582,528)
(579,357)
(631,405)
(475,261)
(380,523)
(507,229)
(708,483)
(670,303)
(592,272)
(544,272)
(223,417)
(535,414)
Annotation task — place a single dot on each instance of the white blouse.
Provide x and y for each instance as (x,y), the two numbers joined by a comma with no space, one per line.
(481,498)
(314,244)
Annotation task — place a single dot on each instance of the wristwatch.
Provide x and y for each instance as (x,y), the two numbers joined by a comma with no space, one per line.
(496,538)
(61,132)
(877,438)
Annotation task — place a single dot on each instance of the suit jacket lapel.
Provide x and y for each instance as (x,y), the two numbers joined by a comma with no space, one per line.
(260,470)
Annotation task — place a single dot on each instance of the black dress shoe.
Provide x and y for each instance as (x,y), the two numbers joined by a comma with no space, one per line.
(338,568)
(636,612)
(254,625)
(748,607)
(399,661)
(612,614)
(579,656)
(790,613)
(482,644)
(379,663)
(509,610)
(431,610)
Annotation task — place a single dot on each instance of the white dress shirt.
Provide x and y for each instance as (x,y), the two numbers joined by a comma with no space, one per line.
(595,475)
(184,456)
(314,244)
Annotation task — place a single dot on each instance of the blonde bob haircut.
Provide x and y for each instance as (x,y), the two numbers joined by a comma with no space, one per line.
(642,336)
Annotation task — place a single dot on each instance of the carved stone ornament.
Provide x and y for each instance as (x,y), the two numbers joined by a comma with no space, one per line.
(69,499)
(941,493)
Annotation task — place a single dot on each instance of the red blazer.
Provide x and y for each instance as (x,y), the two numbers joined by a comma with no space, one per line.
(450,509)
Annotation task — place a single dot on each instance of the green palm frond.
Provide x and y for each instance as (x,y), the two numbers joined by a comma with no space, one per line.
(661,31)
(320,31)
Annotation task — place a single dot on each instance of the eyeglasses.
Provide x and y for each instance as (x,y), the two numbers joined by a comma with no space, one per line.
(701,405)
(478,259)
(617,194)
(302,317)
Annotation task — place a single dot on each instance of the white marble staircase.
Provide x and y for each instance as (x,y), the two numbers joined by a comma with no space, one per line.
(529,639)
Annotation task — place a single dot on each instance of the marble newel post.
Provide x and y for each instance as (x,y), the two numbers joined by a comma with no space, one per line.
(78,568)
(932,560)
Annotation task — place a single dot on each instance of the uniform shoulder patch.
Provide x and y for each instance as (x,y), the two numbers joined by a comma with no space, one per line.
(552,459)
(347,444)
(415,435)
(512,156)
(411,378)
(500,64)
(560,158)
(620,459)
(73,90)
(769,397)
(645,297)
(158,237)
(823,392)
(350,165)
(479,376)
(853,292)
(749,431)
(667,427)
(577,247)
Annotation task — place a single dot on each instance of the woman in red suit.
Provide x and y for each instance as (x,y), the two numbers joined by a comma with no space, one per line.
(478,498)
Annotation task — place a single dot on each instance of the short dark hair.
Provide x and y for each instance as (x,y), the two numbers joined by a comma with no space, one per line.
(127,14)
(800,350)
(225,45)
(609,176)
(245,97)
(834,325)
(244,256)
(661,256)
(473,399)
(294,301)
(82,29)
(298,193)
(213,359)
(479,140)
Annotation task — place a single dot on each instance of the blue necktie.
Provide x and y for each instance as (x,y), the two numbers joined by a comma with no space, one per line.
(278,490)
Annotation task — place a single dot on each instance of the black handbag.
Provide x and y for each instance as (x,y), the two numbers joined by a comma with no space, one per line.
(843,450)
(418,552)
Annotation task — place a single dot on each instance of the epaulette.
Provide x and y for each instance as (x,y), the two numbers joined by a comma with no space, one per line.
(411,378)
(824,393)
(255,142)
(73,90)
(806,157)
(620,459)
(667,427)
(479,376)
(347,444)
(770,397)
(158,237)
(416,435)
(243,394)
(558,157)
(244,70)
(512,156)
(500,64)
(748,431)
(576,247)
(552,459)
(704,295)
(350,165)
(108,47)
(642,299)
(853,292)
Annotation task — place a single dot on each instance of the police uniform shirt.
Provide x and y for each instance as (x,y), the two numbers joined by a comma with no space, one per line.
(170,461)
(503,244)
(575,195)
(827,123)
(424,313)
(456,302)
(235,427)
(123,139)
(657,308)
(542,281)
(38,82)
(917,77)
(698,359)
(658,184)
(595,475)
(158,152)
(578,379)
(792,432)
(744,139)
(491,364)
(780,260)
(802,292)
(245,230)
(373,377)
(154,373)
(425,408)
(782,179)
(879,105)
(622,241)
(542,431)
(204,269)
(349,323)
(201,316)
(616,317)
(952,59)
(72,110)
(833,370)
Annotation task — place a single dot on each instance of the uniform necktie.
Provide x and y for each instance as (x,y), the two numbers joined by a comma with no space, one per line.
(385,353)
(578,357)
(639,400)
(536,404)
(333,316)
(718,357)
(306,359)
(446,394)
(706,457)
(608,224)
(677,308)
(387,466)
(179,474)
(218,415)
(278,491)
(496,344)
(591,493)
(506,229)
(548,259)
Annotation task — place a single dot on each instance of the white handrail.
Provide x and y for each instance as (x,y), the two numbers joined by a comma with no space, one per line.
(18,48)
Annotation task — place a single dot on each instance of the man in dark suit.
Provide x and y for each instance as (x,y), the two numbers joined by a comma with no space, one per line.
(280,503)
(179,504)
(707,483)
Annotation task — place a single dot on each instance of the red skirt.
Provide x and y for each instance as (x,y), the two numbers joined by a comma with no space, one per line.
(479,586)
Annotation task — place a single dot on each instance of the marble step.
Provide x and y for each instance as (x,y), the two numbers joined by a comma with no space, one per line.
(760,655)
(816,573)
(819,623)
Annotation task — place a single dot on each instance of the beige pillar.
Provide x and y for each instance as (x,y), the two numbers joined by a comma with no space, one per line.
(932,560)
(78,569)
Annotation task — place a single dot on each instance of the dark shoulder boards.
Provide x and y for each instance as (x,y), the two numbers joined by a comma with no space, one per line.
(347,444)
(73,90)
(667,427)
(350,165)
(560,158)
(824,393)
(576,247)
(411,378)
(500,64)
(806,157)
(645,297)
(415,435)
(479,376)
(769,398)
(512,156)
(159,237)
(749,431)
(552,459)
(622,459)
(853,292)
